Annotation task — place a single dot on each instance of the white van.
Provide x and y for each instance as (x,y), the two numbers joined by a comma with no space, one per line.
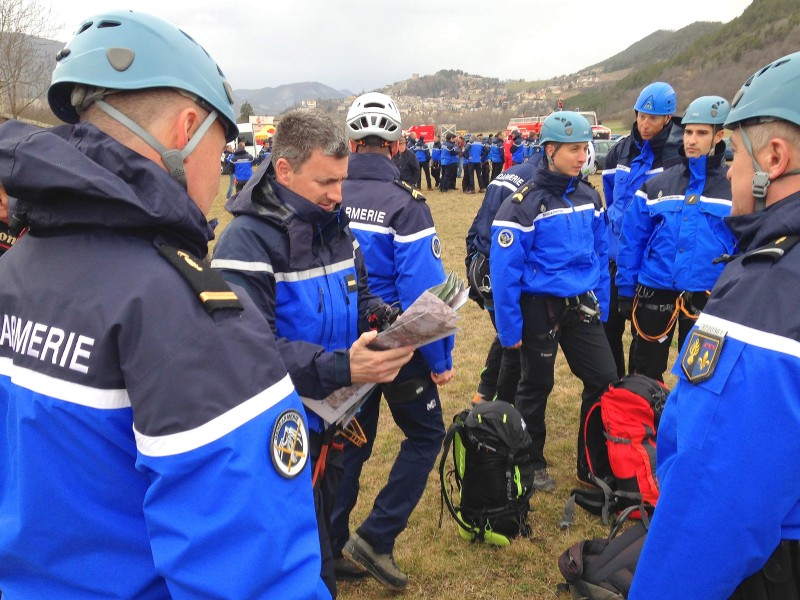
(246,135)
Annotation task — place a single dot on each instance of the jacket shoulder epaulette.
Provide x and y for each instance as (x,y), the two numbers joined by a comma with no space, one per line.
(416,194)
(774,250)
(523,190)
(211,289)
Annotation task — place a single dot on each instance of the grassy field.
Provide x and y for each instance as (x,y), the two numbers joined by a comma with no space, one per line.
(440,565)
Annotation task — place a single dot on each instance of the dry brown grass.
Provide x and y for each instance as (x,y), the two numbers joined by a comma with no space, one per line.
(440,564)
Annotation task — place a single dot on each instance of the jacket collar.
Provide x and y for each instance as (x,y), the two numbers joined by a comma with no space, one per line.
(756,229)
(77,176)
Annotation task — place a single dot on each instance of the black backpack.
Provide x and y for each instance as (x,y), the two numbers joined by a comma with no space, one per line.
(603,568)
(488,487)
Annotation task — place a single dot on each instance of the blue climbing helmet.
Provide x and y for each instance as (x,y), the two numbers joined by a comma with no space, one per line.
(658,98)
(127,50)
(769,94)
(565,126)
(706,110)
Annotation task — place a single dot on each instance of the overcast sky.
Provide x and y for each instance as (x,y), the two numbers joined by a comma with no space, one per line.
(269,43)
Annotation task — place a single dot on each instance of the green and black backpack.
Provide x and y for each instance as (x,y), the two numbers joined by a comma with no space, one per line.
(487,479)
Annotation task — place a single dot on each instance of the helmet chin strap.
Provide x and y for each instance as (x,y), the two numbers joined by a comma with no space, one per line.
(761,178)
(172,159)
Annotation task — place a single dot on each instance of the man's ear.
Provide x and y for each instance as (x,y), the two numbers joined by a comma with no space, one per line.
(777,157)
(186,124)
(283,171)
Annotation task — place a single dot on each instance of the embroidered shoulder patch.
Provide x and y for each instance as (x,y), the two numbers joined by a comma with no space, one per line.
(505,238)
(436,246)
(416,194)
(289,445)
(701,354)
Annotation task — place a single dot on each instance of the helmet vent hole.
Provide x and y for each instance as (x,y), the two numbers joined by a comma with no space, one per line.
(84,27)
(104,24)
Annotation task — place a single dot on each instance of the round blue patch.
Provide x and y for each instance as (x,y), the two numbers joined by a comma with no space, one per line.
(436,246)
(289,446)
(505,238)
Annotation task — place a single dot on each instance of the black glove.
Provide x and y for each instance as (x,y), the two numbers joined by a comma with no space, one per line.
(625,307)
(382,317)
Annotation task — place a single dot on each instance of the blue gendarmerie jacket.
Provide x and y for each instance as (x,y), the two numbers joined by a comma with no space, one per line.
(449,153)
(422,153)
(675,228)
(727,443)
(242,162)
(496,150)
(552,243)
(629,163)
(140,428)
(517,150)
(479,237)
(395,229)
(436,152)
(304,270)
(474,151)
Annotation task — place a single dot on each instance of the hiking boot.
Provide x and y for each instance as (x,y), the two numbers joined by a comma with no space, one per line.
(542,480)
(381,566)
(344,570)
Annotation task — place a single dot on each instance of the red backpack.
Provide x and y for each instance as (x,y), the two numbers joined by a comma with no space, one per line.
(620,435)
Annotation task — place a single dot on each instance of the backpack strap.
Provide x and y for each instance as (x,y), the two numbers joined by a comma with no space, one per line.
(599,501)
(446,499)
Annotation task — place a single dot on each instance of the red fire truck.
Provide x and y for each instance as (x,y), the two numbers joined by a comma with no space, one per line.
(526,125)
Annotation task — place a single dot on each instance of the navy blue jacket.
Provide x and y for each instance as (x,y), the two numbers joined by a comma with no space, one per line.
(675,228)
(406,163)
(735,426)
(552,243)
(140,434)
(629,163)
(479,237)
(395,230)
(304,270)
(436,153)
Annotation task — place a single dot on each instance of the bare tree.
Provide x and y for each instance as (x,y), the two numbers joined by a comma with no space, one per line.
(25,64)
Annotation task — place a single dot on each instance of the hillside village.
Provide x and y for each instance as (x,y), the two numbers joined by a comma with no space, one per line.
(474,101)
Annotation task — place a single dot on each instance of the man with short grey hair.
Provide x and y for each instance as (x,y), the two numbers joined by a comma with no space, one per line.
(292,250)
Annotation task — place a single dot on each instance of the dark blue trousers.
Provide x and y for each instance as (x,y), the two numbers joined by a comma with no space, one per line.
(420,420)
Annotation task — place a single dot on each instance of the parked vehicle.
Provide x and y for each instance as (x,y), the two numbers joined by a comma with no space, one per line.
(601,148)
(423,131)
(728,148)
(525,125)
(599,131)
